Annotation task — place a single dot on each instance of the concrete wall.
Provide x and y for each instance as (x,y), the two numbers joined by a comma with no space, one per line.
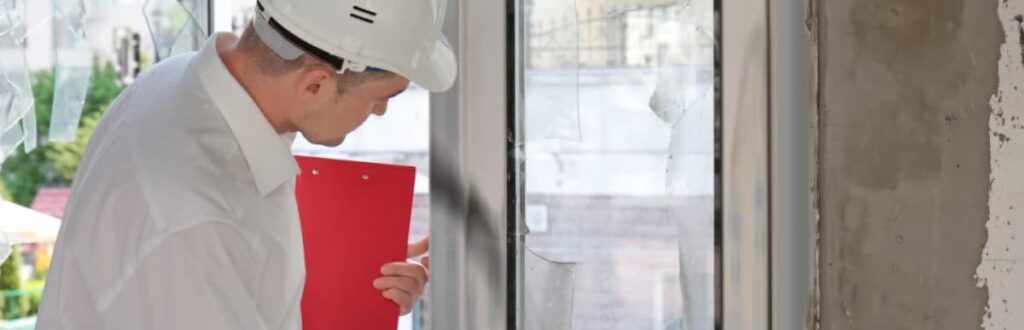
(904,161)
(998,270)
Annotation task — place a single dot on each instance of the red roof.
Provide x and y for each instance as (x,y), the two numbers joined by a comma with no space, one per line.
(51,201)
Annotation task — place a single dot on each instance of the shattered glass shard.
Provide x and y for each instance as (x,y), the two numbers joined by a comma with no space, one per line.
(16,98)
(176,26)
(10,139)
(549,297)
(7,104)
(28,126)
(73,68)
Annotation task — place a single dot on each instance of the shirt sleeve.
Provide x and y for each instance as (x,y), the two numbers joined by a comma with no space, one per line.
(202,277)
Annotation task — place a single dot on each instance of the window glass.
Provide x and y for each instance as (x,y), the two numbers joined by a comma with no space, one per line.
(62,62)
(618,152)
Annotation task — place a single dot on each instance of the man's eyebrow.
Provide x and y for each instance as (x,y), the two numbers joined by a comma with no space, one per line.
(398,92)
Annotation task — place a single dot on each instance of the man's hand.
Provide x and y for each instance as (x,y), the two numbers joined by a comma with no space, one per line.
(404,282)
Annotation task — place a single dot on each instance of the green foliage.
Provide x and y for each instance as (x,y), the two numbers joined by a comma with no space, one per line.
(55,164)
(9,271)
(66,155)
(33,303)
(4,194)
(34,295)
(10,279)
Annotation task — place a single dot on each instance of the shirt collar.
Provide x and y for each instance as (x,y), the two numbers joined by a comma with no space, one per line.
(267,153)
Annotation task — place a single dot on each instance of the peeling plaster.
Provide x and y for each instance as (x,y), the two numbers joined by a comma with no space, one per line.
(1003,252)
(904,159)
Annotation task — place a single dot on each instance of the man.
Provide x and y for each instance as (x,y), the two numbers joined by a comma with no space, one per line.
(183,215)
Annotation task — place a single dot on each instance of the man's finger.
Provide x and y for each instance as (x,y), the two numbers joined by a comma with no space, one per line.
(419,247)
(425,261)
(408,285)
(404,300)
(405,269)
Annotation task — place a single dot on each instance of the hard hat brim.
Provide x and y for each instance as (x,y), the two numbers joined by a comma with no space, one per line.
(439,71)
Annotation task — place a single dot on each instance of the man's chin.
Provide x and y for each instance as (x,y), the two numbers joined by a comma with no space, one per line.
(329,143)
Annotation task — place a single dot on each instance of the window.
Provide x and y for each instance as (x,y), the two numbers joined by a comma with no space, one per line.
(619,176)
(53,92)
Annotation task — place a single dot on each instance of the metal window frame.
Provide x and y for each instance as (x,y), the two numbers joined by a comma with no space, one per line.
(469,289)
(468,169)
(766,172)
(793,140)
(744,103)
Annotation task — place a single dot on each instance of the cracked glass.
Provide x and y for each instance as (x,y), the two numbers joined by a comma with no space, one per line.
(63,62)
(17,118)
(549,301)
(618,116)
(176,26)
(72,68)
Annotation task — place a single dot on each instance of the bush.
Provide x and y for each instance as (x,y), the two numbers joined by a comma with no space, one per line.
(10,280)
(4,194)
(33,303)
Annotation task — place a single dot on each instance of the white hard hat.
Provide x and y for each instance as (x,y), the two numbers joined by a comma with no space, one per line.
(400,36)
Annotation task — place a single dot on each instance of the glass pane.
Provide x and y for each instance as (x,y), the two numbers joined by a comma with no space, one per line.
(627,196)
(73,68)
(15,88)
(176,26)
(62,62)
(553,85)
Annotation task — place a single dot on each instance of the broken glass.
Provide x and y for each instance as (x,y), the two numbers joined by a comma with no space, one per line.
(11,139)
(551,71)
(73,68)
(176,26)
(549,301)
(619,153)
(15,85)
(684,100)
(28,126)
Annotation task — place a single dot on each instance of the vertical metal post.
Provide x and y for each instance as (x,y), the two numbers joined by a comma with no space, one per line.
(210,18)
(745,181)
(516,184)
(792,232)
(468,165)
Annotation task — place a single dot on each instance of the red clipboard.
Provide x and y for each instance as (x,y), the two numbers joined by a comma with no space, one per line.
(355,218)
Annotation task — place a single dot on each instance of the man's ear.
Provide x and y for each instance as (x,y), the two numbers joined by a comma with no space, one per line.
(315,83)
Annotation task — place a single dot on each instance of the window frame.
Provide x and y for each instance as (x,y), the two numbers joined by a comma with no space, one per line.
(764,129)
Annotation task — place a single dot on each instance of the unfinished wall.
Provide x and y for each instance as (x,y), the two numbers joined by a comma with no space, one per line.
(904,161)
(999,270)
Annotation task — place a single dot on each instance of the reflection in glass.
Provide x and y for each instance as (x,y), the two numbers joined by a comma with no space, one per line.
(628,196)
(73,67)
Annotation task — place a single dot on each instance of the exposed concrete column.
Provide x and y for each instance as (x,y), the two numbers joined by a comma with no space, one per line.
(904,161)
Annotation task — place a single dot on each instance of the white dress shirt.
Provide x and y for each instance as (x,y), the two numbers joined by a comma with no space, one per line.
(183,213)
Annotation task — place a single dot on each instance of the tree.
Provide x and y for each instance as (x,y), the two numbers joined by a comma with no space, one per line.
(55,164)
